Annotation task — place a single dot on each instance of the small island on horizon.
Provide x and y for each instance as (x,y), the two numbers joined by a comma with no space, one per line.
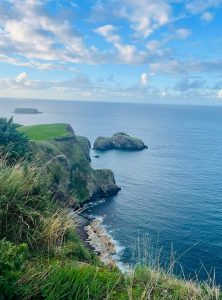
(27,110)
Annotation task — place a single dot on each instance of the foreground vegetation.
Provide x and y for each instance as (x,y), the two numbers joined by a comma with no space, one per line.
(41,256)
(13,144)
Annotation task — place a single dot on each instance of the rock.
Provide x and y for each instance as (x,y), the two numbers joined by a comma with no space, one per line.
(96,156)
(101,242)
(121,141)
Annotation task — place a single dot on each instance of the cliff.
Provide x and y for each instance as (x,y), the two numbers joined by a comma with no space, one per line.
(66,160)
(121,141)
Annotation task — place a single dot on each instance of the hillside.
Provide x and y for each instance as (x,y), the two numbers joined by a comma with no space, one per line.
(66,160)
(41,257)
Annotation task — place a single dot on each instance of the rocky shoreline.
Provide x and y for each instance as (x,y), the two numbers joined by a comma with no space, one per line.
(95,238)
(101,242)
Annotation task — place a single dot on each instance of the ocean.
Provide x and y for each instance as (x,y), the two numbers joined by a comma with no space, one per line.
(171,193)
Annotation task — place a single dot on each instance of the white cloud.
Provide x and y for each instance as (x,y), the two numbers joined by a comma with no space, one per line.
(188,67)
(207,17)
(21,77)
(78,87)
(146,16)
(199,6)
(182,33)
(163,94)
(219,95)
(144,79)
(107,31)
(127,53)
(186,84)
(30,35)
(167,67)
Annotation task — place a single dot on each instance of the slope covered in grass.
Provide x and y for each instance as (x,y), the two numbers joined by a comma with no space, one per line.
(41,256)
(46,131)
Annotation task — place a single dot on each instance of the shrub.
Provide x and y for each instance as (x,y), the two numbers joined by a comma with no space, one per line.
(13,144)
(12,260)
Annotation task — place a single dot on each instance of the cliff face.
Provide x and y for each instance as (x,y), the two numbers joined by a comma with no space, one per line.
(121,141)
(67,162)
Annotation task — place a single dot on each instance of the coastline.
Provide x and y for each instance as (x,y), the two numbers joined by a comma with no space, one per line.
(82,222)
(95,238)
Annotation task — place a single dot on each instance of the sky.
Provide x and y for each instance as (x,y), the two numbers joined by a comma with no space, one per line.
(152,51)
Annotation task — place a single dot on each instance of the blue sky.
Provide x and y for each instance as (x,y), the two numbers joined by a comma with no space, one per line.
(159,51)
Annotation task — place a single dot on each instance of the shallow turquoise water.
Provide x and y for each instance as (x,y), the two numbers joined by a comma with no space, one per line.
(172,191)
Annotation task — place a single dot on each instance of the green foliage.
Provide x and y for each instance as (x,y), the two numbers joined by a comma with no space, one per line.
(46,132)
(80,283)
(68,279)
(13,144)
(24,202)
(12,260)
(29,213)
(74,249)
(72,280)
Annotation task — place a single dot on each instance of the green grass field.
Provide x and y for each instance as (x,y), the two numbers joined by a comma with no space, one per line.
(46,131)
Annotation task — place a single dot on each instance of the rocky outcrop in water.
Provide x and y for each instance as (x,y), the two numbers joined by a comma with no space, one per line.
(121,141)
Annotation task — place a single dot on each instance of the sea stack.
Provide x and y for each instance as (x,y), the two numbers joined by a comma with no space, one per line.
(120,141)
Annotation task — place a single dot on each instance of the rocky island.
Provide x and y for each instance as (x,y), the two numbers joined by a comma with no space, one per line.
(31,111)
(121,141)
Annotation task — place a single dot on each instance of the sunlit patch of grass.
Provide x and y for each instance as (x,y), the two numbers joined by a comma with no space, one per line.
(46,131)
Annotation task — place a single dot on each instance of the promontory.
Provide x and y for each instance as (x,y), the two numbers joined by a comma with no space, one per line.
(65,158)
(119,140)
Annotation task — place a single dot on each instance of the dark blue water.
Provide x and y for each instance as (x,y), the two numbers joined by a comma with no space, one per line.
(172,191)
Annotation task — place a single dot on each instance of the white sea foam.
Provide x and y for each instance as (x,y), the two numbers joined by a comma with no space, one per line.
(119,249)
(93,203)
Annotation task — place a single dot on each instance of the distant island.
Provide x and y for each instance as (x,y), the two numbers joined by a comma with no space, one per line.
(31,111)
(119,140)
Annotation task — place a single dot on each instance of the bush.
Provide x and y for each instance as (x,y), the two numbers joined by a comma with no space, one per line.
(13,144)
(12,260)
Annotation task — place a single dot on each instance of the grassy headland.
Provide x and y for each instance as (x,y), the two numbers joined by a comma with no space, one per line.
(65,157)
